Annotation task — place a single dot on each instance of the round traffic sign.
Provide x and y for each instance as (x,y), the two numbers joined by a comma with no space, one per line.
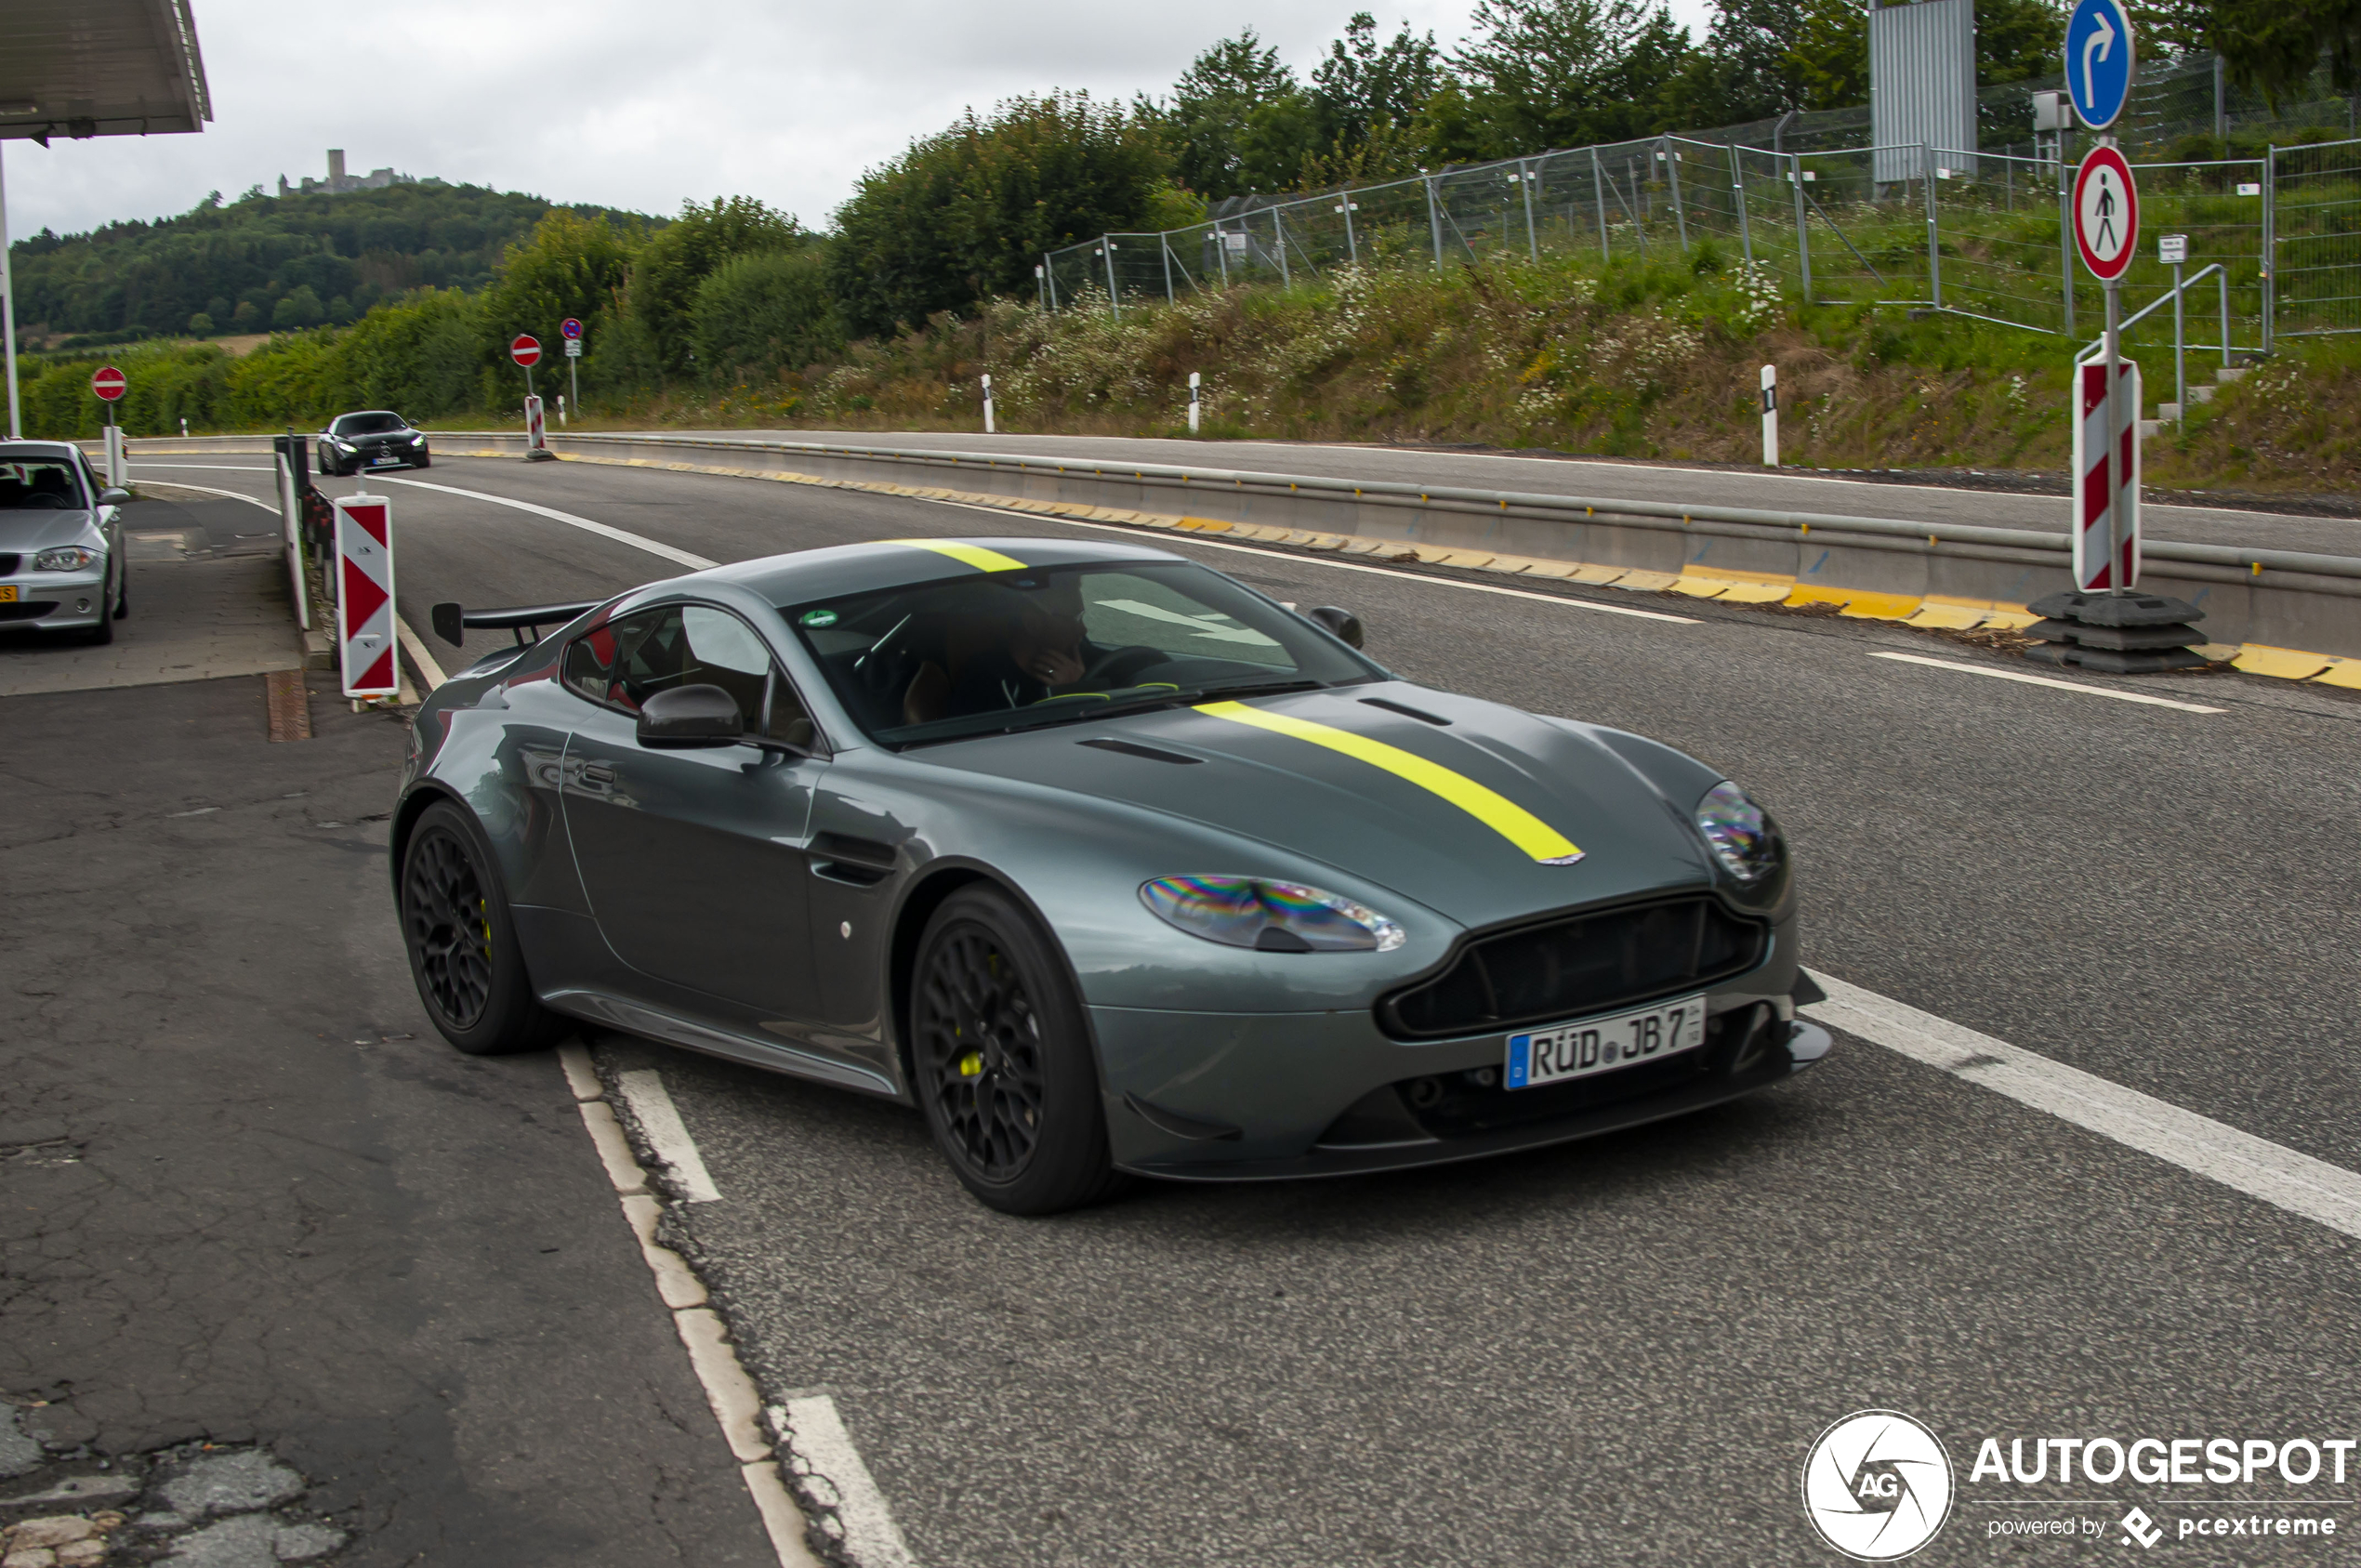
(2099,62)
(569,328)
(526,349)
(108,382)
(2106,212)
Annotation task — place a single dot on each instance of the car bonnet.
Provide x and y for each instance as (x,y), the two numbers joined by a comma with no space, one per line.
(1488,815)
(25,530)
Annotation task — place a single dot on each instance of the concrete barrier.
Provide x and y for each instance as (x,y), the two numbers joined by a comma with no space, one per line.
(2270,600)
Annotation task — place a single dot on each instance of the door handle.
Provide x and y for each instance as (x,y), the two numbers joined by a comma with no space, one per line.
(597,773)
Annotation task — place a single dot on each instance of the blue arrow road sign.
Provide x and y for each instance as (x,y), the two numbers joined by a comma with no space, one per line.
(2099,64)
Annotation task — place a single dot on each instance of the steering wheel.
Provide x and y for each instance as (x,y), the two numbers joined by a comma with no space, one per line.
(1106,664)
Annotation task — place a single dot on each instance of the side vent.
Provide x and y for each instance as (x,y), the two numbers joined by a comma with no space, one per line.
(1146,753)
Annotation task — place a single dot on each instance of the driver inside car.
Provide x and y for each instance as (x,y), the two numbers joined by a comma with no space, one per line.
(1032,650)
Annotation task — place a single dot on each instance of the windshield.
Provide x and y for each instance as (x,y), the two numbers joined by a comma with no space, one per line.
(39,487)
(1008,649)
(368,424)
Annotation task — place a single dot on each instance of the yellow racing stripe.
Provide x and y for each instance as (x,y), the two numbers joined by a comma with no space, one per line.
(1496,812)
(974,555)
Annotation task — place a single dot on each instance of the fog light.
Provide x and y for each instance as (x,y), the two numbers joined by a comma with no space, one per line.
(82,607)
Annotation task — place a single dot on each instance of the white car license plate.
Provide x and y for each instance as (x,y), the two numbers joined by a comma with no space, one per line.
(1601,1045)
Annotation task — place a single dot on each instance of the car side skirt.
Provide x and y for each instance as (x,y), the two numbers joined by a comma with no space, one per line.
(698,1035)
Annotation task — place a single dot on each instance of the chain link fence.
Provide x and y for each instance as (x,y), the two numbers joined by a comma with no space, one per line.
(1982,233)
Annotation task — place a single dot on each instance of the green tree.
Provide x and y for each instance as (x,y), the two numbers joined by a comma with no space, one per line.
(759,315)
(1239,121)
(569,266)
(966,213)
(1550,74)
(2016,40)
(681,255)
(2273,46)
(1363,87)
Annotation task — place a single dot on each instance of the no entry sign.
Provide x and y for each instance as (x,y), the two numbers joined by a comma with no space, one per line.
(2106,212)
(525,351)
(108,382)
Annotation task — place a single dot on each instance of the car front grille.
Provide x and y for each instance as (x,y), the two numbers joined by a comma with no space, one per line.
(1578,965)
(8,565)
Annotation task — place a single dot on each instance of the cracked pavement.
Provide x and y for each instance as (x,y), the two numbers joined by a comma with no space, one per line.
(247,1195)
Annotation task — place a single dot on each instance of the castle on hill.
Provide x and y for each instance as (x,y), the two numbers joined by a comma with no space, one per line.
(338,182)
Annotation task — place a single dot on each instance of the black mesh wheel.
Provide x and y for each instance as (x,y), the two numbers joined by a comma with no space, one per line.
(463,945)
(1001,1061)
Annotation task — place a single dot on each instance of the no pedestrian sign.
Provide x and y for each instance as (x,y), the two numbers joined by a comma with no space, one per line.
(525,351)
(108,382)
(2106,212)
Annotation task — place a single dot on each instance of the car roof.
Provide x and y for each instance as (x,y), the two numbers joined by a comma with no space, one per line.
(39,449)
(835,571)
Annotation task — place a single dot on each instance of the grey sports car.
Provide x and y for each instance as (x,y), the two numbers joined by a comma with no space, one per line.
(62,570)
(1104,860)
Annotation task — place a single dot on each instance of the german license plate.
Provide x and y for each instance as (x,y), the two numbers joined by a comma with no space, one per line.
(382,462)
(1601,1045)
(8,593)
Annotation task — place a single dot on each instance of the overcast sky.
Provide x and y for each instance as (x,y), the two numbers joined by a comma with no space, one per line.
(635,105)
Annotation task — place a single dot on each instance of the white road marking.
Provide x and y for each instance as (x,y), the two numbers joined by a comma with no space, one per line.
(209,468)
(2045,680)
(823,1454)
(270,506)
(1324,561)
(429,670)
(731,1393)
(652,1106)
(2279,1176)
(638,541)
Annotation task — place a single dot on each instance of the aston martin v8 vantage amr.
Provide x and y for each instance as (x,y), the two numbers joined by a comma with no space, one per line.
(1104,860)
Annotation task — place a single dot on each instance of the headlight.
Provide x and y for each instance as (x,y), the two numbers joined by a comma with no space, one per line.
(1741,833)
(72,558)
(1269,916)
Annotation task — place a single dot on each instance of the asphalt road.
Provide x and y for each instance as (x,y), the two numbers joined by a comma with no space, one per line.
(1620,1350)
(1627,480)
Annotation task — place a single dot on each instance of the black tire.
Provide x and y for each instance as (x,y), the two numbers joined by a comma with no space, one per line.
(103,633)
(1001,1061)
(462,940)
(422,462)
(122,594)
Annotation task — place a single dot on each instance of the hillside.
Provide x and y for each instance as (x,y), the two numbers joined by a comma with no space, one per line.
(264,263)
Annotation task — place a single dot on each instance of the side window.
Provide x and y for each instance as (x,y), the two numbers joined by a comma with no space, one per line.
(724,651)
(629,660)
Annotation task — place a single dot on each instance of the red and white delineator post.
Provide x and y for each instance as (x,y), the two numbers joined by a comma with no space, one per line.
(364,596)
(536,436)
(2106,478)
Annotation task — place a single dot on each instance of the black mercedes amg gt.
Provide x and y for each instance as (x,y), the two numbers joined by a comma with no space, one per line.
(375,438)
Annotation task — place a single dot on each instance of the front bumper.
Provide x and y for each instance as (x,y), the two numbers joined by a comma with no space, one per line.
(1233,1097)
(56,600)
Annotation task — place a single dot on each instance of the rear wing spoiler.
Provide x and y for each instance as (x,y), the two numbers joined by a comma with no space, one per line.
(451,620)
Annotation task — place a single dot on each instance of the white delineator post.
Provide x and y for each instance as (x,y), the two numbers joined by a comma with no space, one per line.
(1194,384)
(1769,416)
(364,596)
(987,406)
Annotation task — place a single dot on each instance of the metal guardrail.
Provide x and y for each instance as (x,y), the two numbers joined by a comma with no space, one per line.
(1669,516)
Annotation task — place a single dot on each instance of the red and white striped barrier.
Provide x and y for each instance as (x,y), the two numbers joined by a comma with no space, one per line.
(364,596)
(2107,478)
(536,438)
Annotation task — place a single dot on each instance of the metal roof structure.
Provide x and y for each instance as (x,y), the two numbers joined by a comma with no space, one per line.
(85,68)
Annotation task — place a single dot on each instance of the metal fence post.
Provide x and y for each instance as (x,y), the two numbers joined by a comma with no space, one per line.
(1802,235)
(1434,221)
(1672,172)
(1106,248)
(1739,195)
(1049,277)
(1934,242)
(1167,267)
(2065,235)
(1532,240)
(2180,355)
(1279,235)
(1222,253)
(2222,278)
(2269,246)
(1599,198)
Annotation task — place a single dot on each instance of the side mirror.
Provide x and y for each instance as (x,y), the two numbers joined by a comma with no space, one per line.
(689,717)
(114,495)
(1343,624)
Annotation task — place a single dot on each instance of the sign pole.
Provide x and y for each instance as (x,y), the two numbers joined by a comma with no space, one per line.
(8,322)
(2114,427)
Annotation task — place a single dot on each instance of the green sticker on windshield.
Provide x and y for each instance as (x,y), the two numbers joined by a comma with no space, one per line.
(819,617)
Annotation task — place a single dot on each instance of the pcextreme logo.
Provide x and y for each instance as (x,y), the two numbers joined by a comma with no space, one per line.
(1877,1485)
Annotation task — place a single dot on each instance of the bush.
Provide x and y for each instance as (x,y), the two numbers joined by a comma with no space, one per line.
(762,315)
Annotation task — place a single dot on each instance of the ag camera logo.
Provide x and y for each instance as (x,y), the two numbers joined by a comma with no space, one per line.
(1878,1485)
